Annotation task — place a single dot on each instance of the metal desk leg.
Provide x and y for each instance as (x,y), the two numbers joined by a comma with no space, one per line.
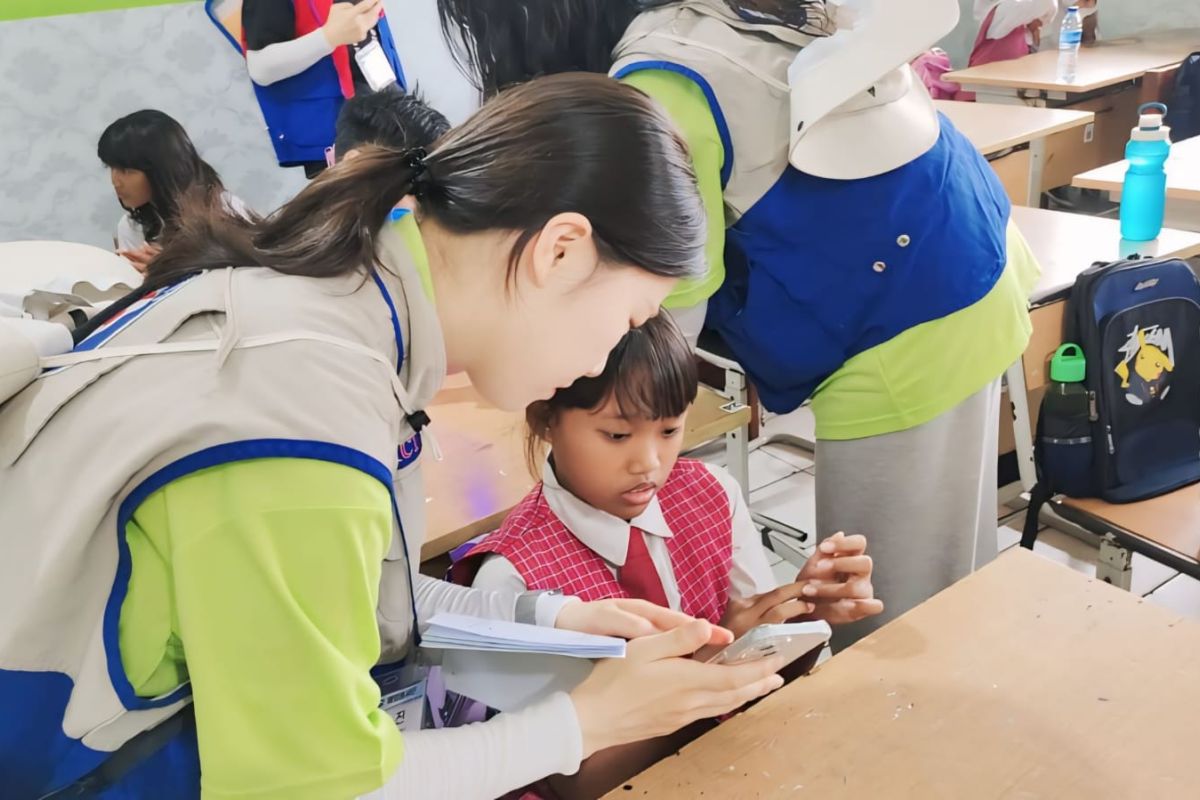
(737,442)
(1022,424)
(1115,563)
(1037,166)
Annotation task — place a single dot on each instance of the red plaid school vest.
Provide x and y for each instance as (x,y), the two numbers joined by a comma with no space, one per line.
(547,556)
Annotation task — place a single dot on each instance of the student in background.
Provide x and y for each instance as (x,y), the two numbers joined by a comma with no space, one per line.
(619,514)
(304,62)
(153,165)
(389,118)
(1009,29)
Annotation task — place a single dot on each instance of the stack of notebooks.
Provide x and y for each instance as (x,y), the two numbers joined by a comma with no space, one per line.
(457,632)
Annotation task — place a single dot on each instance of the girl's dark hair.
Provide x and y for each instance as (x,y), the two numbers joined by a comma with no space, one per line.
(390,117)
(154,143)
(581,143)
(651,373)
(498,43)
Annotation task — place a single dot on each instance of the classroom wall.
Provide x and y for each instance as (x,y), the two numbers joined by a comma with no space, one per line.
(67,77)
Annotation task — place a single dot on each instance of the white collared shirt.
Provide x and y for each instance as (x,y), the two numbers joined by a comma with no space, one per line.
(608,537)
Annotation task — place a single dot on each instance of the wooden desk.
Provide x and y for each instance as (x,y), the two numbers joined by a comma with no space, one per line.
(483,472)
(1025,680)
(1065,245)
(1165,529)
(1101,66)
(1183,182)
(1113,79)
(1031,149)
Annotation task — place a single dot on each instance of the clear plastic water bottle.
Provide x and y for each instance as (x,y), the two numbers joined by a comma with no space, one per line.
(1144,195)
(1070,36)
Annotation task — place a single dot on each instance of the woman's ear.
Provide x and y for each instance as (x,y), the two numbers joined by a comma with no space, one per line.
(563,253)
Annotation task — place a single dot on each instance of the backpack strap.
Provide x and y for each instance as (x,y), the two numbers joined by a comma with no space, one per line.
(1038,497)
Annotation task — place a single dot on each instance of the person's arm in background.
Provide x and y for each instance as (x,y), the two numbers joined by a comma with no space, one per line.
(688,108)
(273,53)
(1013,14)
(1091,23)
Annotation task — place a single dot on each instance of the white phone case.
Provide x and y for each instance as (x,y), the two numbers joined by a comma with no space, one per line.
(790,640)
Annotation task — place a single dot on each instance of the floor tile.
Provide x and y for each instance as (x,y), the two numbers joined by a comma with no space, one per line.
(1181,594)
(791,501)
(766,469)
(800,424)
(785,571)
(796,456)
(773,558)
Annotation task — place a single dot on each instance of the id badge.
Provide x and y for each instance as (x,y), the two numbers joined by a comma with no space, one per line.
(375,67)
(402,696)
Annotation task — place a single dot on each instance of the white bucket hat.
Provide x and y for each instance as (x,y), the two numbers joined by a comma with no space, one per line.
(858,109)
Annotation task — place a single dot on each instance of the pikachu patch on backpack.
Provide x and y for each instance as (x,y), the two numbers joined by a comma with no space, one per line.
(1152,355)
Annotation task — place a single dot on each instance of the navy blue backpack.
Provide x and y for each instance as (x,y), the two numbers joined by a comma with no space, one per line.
(1138,322)
(1184,116)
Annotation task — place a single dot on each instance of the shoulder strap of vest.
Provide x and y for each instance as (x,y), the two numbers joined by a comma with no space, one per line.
(230,341)
(132,753)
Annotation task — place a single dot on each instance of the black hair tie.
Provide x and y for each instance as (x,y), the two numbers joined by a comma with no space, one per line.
(418,420)
(414,159)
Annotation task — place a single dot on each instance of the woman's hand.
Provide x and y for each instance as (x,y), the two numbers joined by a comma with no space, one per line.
(350,23)
(837,579)
(140,257)
(656,689)
(628,619)
(743,614)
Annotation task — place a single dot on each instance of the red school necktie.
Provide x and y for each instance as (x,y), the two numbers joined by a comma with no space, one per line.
(639,577)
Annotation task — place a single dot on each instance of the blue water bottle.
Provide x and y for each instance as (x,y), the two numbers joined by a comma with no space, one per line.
(1144,196)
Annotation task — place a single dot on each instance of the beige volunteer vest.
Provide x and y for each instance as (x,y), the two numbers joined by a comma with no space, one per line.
(250,363)
(744,65)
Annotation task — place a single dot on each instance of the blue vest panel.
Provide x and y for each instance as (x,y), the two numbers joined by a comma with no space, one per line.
(821,270)
(301,111)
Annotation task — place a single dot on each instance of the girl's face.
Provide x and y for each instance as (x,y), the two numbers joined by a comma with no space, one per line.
(132,187)
(611,462)
(555,320)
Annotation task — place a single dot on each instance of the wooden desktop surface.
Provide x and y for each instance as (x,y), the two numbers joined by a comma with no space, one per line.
(1182,168)
(1103,64)
(1171,521)
(1024,680)
(992,128)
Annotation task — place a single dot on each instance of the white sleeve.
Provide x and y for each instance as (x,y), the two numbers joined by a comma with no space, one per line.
(750,574)
(282,60)
(488,759)
(235,205)
(1013,14)
(433,595)
(498,574)
(129,234)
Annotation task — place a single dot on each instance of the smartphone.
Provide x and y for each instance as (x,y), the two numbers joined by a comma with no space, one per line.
(790,640)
